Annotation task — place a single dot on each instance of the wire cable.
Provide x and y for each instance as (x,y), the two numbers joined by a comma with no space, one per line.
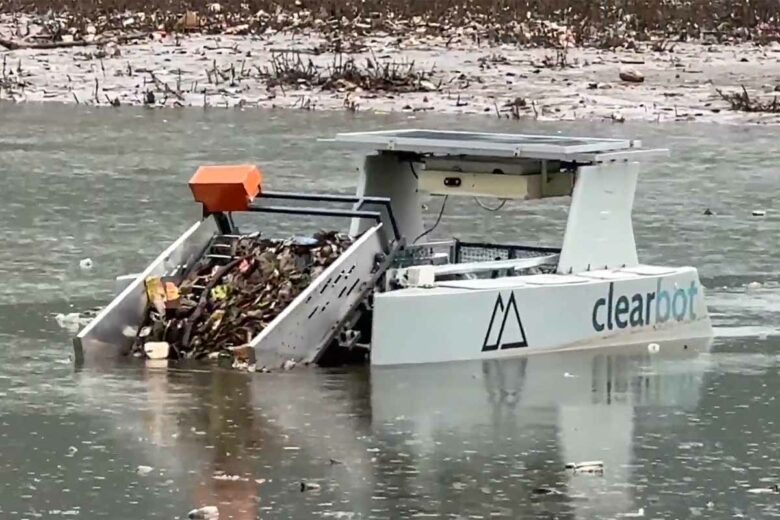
(438,219)
(411,165)
(488,208)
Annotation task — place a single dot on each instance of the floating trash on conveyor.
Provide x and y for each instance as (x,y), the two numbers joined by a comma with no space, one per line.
(229,298)
(227,293)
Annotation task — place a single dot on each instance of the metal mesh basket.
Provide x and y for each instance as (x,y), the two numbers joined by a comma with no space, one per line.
(478,252)
(424,254)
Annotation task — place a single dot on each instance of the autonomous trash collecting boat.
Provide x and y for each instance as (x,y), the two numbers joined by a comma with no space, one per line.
(402,299)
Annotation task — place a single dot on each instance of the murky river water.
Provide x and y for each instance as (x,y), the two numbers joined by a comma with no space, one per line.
(681,434)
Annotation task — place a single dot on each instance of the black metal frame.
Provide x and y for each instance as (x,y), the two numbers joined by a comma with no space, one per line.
(356,212)
(510,248)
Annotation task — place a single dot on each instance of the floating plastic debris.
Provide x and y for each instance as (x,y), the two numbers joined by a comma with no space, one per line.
(74,320)
(68,321)
(770,490)
(204,513)
(653,347)
(591,466)
(144,470)
(759,213)
(309,486)
(229,478)
(544,491)
(86,263)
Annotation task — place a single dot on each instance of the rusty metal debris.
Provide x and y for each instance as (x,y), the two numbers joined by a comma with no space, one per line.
(227,299)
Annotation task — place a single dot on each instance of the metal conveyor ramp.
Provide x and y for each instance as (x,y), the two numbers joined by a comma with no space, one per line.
(306,326)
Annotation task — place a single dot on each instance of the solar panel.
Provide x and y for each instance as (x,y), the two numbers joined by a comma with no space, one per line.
(486,137)
(484,144)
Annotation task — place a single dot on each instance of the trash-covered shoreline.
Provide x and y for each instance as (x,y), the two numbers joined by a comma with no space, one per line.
(225,56)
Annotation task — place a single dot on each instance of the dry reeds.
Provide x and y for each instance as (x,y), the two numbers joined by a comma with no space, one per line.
(11,80)
(742,102)
(289,68)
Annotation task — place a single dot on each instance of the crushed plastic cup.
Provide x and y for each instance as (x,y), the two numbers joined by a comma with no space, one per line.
(157,349)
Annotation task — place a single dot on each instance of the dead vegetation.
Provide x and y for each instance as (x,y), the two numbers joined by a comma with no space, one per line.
(12,81)
(346,74)
(601,23)
(742,102)
(558,61)
(517,108)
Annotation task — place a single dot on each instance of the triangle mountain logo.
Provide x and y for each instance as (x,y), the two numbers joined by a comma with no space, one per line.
(505,329)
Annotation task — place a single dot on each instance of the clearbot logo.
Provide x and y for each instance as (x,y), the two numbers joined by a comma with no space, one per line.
(644,308)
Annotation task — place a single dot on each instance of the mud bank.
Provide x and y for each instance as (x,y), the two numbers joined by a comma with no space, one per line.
(392,74)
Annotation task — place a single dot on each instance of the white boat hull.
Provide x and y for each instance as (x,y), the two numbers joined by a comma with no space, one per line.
(504,317)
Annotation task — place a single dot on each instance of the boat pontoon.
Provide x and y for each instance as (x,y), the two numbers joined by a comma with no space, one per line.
(411,300)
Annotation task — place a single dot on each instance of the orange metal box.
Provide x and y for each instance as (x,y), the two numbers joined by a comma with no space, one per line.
(227,187)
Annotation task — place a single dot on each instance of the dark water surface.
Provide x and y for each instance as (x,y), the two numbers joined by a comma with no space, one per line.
(682,433)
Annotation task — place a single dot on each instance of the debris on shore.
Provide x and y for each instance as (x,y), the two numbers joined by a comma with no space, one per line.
(226,299)
(600,24)
(742,102)
(346,74)
(632,76)
(565,61)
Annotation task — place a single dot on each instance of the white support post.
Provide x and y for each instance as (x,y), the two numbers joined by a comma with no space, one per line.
(599,232)
(384,175)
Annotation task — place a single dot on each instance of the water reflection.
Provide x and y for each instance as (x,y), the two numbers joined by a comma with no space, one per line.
(514,424)
(474,438)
